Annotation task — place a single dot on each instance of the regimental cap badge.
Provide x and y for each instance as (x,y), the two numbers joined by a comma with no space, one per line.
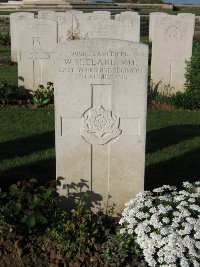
(100,126)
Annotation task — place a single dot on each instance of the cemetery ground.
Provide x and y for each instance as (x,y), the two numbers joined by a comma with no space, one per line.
(27,152)
(33,231)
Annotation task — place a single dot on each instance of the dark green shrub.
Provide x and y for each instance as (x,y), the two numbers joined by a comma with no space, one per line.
(6,61)
(190,99)
(192,75)
(12,95)
(186,100)
(28,204)
(5,40)
(196,47)
(122,250)
(80,230)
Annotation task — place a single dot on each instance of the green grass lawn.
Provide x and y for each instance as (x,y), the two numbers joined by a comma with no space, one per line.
(172,147)
(27,144)
(4,51)
(8,73)
(28,149)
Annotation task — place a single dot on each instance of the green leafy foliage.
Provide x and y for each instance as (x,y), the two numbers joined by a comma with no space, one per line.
(5,40)
(196,47)
(6,61)
(44,96)
(122,250)
(190,99)
(80,230)
(28,204)
(13,95)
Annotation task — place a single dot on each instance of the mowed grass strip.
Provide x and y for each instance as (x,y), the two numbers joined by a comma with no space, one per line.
(4,51)
(8,73)
(172,147)
(27,146)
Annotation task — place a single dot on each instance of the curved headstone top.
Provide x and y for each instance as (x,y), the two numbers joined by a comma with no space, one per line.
(16,25)
(172,38)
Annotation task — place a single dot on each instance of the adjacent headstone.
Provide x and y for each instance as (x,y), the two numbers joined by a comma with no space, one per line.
(190,18)
(125,26)
(96,15)
(35,64)
(100,116)
(98,24)
(171,47)
(131,22)
(152,21)
(47,14)
(61,24)
(15,28)
(69,30)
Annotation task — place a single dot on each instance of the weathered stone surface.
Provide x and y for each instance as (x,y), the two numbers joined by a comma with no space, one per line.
(171,47)
(35,64)
(125,26)
(47,14)
(100,116)
(69,29)
(61,24)
(99,24)
(152,20)
(15,29)
(131,21)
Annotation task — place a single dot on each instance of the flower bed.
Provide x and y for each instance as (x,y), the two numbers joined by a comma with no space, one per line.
(166,223)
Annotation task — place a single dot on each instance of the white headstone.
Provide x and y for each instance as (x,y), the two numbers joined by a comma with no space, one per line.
(47,14)
(125,26)
(100,116)
(152,18)
(15,28)
(171,47)
(98,24)
(95,15)
(35,64)
(61,24)
(71,29)
(187,17)
(132,25)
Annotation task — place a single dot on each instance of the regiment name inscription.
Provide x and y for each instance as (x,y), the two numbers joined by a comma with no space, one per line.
(101,65)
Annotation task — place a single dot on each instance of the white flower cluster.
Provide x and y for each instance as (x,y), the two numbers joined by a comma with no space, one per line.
(167,225)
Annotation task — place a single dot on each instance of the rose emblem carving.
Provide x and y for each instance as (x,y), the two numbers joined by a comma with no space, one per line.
(173,33)
(99,126)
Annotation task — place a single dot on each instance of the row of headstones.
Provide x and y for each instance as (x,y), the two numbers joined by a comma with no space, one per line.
(100,104)
(33,42)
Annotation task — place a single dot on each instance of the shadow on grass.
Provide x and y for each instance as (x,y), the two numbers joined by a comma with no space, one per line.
(177,169)
(171,135)
(43,171)
(27,145)
(174,171)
